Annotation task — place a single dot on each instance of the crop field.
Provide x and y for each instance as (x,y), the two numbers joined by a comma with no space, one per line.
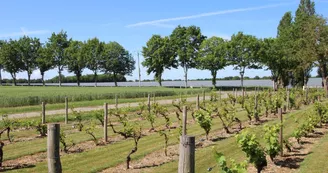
(28,96)
(233,126)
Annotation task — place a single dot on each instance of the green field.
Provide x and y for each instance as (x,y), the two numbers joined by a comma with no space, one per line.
(100,158)
(27,96)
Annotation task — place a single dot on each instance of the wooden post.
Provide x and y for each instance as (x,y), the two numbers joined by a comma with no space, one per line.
(281,132)
(148,104)
(288,100)
(197,102)
(43,120)
(116,101)
(66,110)
(204,97)
(184,121)
(187,154)
(105,121)
(220,93)
(54,165)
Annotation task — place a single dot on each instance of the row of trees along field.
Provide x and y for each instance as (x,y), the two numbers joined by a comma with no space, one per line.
(28,54)
(301,44)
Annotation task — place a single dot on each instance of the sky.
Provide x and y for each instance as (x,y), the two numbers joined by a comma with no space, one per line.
(133,22)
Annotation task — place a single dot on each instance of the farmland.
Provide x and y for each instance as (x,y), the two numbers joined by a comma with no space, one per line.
(85,153)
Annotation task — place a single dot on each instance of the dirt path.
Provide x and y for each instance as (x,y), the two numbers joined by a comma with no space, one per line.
(87,109)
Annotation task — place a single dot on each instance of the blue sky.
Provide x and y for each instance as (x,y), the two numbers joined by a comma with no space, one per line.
(132,23)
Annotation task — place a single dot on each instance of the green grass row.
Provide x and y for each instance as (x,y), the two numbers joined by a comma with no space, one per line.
(27,96)
(205,157)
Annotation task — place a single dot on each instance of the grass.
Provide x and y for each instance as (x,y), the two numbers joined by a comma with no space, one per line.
(316,161)
(93,103)
(27,96)
(205,157)
(112,154)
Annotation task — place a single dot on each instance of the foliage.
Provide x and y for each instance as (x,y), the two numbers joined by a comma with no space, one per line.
(90,130)
(117,60)
(78,117)
(271,139)
(99,116)
(186,42)
(75,61)
(213,56)
(159,55)
(204,120)
(233,168)
(128,126)
(166,139)
(64,143)
(255,153)
(41,128)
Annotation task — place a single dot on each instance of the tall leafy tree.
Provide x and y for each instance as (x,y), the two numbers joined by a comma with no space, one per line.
(187,41)
(44,61)
(159,55)
(10,58)
(213,56)
(244,53)
(57,44)
(28,49)
(74,59)
(1,66)
(117,61)
(93,52)
(303,48)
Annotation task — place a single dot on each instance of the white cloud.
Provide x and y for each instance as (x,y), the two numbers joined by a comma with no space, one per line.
(24,32)
(162,25)
(36,74)
(160,21)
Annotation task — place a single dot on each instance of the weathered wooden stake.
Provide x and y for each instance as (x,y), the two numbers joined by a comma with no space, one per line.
(148,104)
(184,121)
(281,132)
(105,121)
(288,100)
(197,102)
(66,110)
(43,120)
(204,97)
(187,154)
(116,101)
(54,165)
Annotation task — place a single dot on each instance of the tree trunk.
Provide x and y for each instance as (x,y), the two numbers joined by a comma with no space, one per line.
(115,79)
(28,78)
(160,79)
(0,77)
(186,76)
(78,76)
(13,75)
(59,77)
(95,78)
(242,80)
(214,72)
(323,69)
(42,78)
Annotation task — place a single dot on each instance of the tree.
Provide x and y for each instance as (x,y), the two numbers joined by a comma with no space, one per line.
(93,52)
(213,56)
(159,55)
(44,61)
(303,45)
(10,58)
(244,53)
(186,42)
(117,60)
(57,44)
(74,59)
(1,66)
(272,58)
(28,49)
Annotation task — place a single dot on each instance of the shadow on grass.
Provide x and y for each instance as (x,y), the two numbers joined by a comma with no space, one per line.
(293,162)
(15,167)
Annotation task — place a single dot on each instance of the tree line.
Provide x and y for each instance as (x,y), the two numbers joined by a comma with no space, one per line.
(301,44)
(60,52)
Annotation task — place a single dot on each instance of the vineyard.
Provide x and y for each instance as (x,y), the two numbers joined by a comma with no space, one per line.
(260,131)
